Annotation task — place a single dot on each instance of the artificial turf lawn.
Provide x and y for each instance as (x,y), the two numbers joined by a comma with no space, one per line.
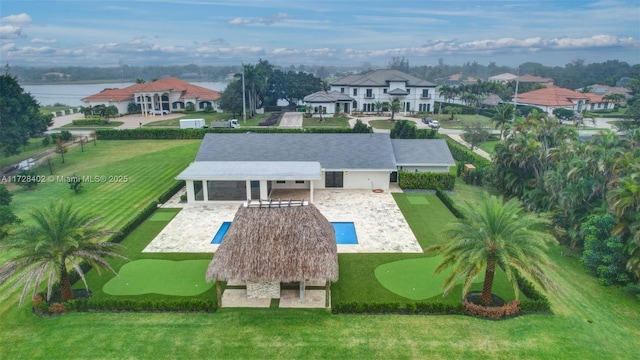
(412,278)
(165,277)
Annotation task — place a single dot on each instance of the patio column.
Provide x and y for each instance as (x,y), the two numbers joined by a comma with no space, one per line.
(248,187)
(190,195)
(205,190)
(310,191)
(302,289)
(264,190)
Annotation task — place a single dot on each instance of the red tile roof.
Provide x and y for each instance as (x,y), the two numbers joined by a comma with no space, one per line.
(534,79)
(187,90)
(554,96)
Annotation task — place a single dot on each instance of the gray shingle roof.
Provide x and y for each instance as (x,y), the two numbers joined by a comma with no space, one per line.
(381,78)
(422,152)
(327,96)
(333,151)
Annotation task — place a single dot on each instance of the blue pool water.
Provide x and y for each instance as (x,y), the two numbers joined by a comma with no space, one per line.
(345,233)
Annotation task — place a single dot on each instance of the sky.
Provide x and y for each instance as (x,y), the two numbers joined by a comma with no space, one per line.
(318,32)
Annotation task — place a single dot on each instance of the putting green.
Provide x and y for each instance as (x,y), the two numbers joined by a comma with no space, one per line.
(413,278)
(418,200)
(165,277)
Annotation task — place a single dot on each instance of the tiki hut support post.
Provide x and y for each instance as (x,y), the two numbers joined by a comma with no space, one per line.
(327,294)
(302,289)
(218,293)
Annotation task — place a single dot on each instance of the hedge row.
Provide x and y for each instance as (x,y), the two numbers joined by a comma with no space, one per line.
(463,154)
(171,191)
(450,204)
(435,308)
(135,222)
(426,180)
(82,122)
(86,305)
(396,308)
(167,134)
(536,301)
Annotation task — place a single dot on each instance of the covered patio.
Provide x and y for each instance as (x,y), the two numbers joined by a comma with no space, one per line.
(247,180)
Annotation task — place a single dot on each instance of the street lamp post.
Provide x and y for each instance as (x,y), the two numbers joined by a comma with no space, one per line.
(244,106)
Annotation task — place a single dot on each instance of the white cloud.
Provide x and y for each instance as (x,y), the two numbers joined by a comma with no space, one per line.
(17,19)
(11,32)
(269,20)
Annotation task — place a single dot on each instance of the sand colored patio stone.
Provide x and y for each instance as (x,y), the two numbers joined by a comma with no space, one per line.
(379,224)
(238,298)
(312,299)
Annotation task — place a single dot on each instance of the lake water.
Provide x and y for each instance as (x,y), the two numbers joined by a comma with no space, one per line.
(70,94)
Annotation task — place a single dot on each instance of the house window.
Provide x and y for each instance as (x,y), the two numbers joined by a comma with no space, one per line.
(355,92)
(408,91)
(384,90)
(369,93)
(342,90)
(425,93)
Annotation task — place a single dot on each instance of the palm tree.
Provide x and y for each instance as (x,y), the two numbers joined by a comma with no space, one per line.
(378,105)
(504,114)
(59,239)
(494,233)
(394,107)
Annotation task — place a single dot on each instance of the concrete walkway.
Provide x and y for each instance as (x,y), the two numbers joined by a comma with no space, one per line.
(291,120)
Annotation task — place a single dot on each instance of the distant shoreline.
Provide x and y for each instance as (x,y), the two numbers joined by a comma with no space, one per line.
(87,82)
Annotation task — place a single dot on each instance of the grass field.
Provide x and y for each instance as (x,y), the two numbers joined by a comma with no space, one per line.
(33,147)
(110,125)
(590,321)
(382,124)
(126,177)
(327,122)
(208,117)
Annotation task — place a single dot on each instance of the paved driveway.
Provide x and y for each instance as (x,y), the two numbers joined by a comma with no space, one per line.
(291,120)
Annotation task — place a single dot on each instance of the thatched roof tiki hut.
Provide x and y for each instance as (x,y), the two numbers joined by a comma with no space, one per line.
(267,246)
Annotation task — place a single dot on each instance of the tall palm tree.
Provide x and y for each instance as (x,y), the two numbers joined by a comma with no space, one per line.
(494,233)
(394,107)
(59,239)
(504,114)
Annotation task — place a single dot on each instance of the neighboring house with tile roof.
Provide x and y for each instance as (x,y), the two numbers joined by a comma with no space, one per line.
(536,79)
(503,78)
(245,166)
(554,97)
(364,90)
(604,90)
(326,102)
(157,97)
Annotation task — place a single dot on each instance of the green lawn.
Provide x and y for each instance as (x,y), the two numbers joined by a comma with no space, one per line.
(32,148)
(382,124)
(132,177)
(489,146)
(327,122)
(110,125)
(208,118)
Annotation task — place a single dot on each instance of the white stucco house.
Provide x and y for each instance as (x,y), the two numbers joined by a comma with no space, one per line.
(361,92)
(157,97)
(248,166)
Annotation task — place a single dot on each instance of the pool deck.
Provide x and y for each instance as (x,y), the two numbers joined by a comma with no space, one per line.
(380,226)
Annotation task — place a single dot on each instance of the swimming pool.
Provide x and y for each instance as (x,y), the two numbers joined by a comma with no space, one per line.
(345,233)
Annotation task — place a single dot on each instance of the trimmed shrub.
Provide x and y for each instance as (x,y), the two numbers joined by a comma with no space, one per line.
(426,180)
(450,204)
(171,191)
(92,122)
(178,305)
(168,134)
(463,154)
